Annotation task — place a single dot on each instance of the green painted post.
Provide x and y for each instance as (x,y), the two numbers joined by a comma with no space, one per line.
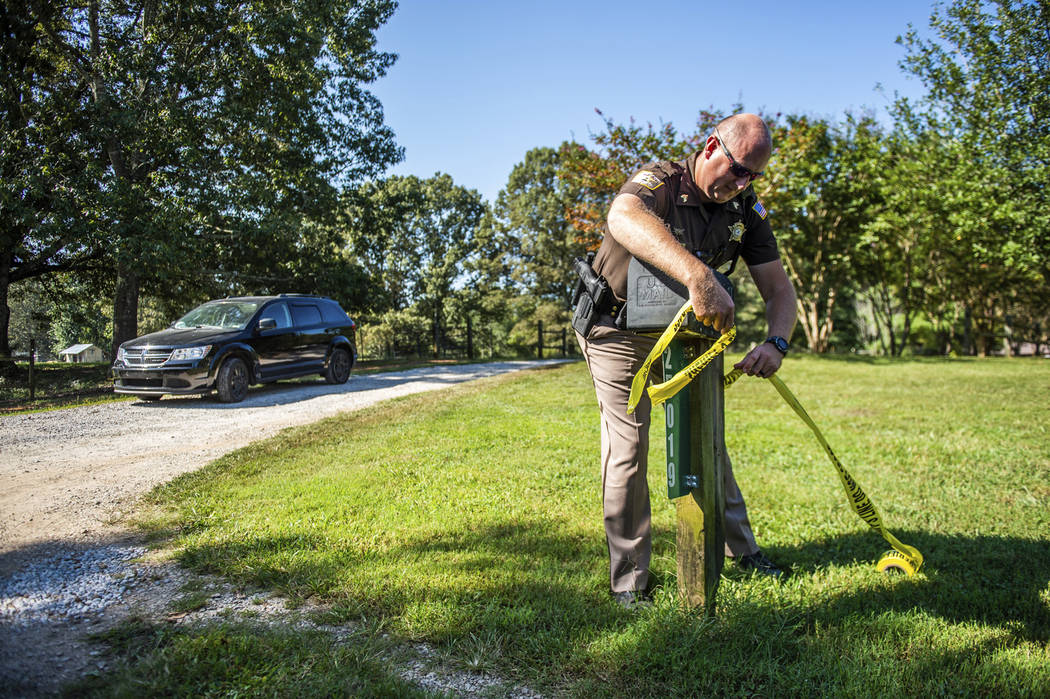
(676,416)
(696,461)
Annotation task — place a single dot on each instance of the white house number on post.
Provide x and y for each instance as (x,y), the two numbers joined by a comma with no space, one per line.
(669,409)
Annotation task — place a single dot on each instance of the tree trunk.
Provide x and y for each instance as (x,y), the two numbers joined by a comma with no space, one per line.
(6,257)
(7,366)
(817,326)
(967,339)
(982,345)
(125,308)
(437,336)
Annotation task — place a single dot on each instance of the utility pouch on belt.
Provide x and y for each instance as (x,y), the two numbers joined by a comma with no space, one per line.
(592,298)
(654,299)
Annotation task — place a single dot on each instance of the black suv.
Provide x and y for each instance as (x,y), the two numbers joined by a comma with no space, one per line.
(232,343)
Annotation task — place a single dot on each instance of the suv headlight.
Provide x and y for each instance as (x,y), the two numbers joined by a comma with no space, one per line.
(184,353)
(120,354)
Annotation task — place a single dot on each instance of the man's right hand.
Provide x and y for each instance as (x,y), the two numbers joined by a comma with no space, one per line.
(712,305)
(646,237)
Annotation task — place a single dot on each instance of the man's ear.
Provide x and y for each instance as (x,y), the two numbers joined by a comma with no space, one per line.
(709,147)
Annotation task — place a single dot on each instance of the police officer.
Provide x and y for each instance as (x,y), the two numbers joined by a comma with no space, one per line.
(670,215)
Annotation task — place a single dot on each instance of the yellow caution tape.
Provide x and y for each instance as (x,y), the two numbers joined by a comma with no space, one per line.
(661,392)
(903,557)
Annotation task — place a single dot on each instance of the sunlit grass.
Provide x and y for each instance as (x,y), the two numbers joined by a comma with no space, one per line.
(471,519)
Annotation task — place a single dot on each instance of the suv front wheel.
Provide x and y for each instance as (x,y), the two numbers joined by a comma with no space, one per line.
(231,383)
(338,370)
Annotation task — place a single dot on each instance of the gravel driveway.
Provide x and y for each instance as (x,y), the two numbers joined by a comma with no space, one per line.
(69,475)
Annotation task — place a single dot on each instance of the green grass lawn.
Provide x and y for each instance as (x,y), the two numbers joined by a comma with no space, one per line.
(471,519)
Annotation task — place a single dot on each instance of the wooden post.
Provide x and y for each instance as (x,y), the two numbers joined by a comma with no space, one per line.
(564,344)
(470,339)
(539,339)
(32,373)
(696,464)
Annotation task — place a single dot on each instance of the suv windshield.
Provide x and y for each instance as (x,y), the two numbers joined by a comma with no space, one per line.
(228,315)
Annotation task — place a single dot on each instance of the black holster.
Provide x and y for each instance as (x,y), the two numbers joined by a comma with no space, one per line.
(593,297)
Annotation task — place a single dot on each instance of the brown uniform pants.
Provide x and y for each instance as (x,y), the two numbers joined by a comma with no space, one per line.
(614,357)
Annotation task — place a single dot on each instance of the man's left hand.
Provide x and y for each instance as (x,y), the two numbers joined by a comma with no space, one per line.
(762,361)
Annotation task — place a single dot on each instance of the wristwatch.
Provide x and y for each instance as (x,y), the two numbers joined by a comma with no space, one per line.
(780,343)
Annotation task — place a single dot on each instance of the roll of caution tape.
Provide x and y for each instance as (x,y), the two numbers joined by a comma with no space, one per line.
(893,561)
(902,558)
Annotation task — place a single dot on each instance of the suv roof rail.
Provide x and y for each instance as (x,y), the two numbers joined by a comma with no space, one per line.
(277,296)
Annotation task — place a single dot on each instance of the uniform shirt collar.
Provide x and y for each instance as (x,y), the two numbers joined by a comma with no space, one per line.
(688,194)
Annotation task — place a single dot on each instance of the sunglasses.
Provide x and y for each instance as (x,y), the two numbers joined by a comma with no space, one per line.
(736,168)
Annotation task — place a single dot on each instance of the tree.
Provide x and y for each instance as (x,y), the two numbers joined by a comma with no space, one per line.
(413,237)
(222,128)
(988,75)
(48,174)
(890,252)
(818,192)
(596,176)
(539,240)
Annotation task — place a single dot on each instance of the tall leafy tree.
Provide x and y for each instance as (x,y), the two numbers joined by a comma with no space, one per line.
(539,239)
(987,70)
(596,175)
(891,253)
(818,193)
(378,220)
(414,237)
(49,171)
(222,127)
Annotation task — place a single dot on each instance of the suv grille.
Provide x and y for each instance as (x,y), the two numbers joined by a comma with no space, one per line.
(146,356)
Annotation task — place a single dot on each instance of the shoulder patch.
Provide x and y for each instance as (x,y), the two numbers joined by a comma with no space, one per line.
(647,179)
(760,210)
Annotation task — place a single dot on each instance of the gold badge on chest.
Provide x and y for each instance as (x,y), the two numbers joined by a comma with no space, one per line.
(736,232)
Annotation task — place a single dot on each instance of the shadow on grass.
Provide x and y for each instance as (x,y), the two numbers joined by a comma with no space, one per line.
(490,568)
(987,579)
(538,595)
(240,659)
(996,580)
(976,621)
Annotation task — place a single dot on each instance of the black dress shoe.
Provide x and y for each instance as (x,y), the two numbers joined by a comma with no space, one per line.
(633,599)
(758,563)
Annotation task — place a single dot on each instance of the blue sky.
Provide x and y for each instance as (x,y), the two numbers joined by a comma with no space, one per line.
(477,84)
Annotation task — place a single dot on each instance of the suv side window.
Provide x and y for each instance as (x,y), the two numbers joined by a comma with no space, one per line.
(279,312)
(333,313)
(305,315)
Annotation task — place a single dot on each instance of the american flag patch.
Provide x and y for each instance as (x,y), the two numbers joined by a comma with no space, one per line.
(760,210)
